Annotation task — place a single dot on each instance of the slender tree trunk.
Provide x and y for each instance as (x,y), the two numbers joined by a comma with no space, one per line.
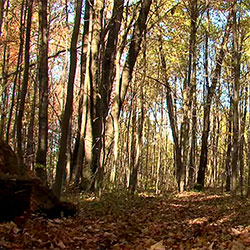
(173,125)
(242,142)
(216,155)
(2,2)
(95,95)
(132,152)
(123,83)
(189,94)
(60,169)
(248,147)
(115,118)
(30,151)
(78,153)
(17,75)
(129,138)
(147,154)
(229,148)
(207,108)
(104,78)
(236,111)
(134,49)
(41,156)
(139,135)
(24,83)
(3,86)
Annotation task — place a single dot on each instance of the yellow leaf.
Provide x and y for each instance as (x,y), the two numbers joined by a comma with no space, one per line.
(158,246)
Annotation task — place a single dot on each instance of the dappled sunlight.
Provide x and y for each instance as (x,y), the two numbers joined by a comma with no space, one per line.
(177,205)
(227,218)
(199,221)
(188,194)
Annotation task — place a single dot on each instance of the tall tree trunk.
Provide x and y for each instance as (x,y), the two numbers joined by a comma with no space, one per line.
(41,156)
(134,49)
(3,86)
(18,65)
(189,97)
(207,107)
(78,153)
(159,158)
(111,64)
(115,119)
(132,151)
(105,77)
(248,146)
(173,125)
(192,73)
(29,159)
(122,84)
(229,146)
(242,142)
(24,83)
(236,89)
(139,133)
(147,155)
(60,169)
(96,107)
(2,2)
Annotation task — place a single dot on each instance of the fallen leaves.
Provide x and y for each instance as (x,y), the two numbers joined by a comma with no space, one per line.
(158,246)
(195,221)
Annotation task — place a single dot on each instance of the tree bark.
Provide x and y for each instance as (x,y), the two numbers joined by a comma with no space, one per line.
(60,169)
(78,153)
(2,2)
(5,65)
(41,156)
(24,84)
(30,151)
(17,75)
(236,89)
(173,125)
(191,81)
(207,107)
(139,135)
(122,84)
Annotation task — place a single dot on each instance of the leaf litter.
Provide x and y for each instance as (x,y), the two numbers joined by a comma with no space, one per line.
(120,221)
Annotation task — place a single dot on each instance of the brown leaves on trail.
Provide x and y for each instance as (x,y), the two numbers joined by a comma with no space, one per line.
(118,221)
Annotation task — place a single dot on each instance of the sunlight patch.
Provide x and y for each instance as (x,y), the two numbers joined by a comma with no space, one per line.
(198,221)
(176,205)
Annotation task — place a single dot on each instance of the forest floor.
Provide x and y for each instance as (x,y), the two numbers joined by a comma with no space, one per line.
(118,221)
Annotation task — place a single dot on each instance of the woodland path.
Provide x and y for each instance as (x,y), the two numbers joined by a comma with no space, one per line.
(117,221)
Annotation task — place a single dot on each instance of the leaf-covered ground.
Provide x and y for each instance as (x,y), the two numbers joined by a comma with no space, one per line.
(118,221)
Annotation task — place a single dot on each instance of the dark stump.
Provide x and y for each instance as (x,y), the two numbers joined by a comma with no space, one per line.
(21,190)
(15,198)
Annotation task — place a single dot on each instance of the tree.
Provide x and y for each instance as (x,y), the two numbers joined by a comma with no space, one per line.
(60,169)
(236,89)
(41,158)
(127,73)
(24,82)
(78,153)
(207,107)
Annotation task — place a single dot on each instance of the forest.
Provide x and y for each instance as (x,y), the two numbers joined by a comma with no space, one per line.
(125,108)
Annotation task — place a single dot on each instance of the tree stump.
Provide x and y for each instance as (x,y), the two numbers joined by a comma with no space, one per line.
(14,198)
(21,191)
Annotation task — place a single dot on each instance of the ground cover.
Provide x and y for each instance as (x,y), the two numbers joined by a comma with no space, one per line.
(118,221)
